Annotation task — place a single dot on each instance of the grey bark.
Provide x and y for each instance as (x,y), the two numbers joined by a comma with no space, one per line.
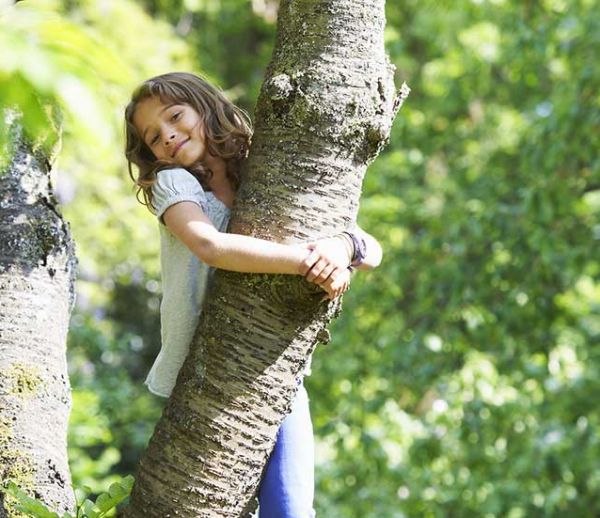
(37,265)
(324,112)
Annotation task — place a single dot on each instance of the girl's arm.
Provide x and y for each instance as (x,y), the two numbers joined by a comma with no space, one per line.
(235,252)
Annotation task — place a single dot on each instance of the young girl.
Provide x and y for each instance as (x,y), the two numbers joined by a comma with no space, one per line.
(188,141)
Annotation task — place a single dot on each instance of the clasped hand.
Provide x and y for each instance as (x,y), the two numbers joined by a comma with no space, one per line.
(327,266)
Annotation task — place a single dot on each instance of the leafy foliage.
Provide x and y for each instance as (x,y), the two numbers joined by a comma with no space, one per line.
(104,506)
(49,60)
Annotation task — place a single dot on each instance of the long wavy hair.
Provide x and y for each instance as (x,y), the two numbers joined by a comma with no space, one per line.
(228,130)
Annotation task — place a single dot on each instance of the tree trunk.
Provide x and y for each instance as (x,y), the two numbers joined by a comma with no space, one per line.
(37,265)
(324,112)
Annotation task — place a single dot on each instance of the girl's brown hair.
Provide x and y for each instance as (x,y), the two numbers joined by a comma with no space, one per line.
(227,128)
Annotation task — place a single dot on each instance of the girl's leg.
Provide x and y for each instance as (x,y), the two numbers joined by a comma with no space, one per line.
(287,487)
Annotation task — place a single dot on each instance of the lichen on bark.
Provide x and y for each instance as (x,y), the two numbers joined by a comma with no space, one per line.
(24,380)
(15,466)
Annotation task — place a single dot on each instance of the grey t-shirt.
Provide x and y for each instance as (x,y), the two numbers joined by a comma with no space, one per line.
(184,276)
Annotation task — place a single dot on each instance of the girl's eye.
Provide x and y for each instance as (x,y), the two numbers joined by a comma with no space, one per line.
(175,116)
(154,140)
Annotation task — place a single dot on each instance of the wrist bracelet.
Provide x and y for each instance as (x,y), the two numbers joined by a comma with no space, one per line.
(360,248)
(349,244)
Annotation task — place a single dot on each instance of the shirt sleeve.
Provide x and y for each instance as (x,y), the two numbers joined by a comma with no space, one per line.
(173,186)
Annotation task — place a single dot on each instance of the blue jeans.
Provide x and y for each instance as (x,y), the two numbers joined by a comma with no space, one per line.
(287,486)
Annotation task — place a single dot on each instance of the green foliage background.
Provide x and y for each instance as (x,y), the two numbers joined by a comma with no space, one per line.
(463,374)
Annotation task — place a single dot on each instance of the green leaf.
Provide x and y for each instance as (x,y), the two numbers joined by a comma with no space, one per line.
(90,510)
(117,492)
(127,482)
(29,505)
(105,502)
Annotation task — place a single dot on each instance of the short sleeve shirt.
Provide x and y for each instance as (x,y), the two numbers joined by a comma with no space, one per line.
(184,276)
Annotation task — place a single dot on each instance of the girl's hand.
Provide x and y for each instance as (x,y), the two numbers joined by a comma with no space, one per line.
(329,257)
(337,286)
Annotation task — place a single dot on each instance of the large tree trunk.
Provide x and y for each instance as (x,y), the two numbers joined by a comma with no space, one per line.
(325,110)
(37,265)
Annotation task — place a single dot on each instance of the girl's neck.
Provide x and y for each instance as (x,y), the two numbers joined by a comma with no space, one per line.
(219,183)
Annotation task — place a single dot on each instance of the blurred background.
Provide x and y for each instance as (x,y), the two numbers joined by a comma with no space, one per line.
(463,373)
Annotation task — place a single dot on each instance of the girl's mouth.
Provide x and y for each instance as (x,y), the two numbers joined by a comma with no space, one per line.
(179,146)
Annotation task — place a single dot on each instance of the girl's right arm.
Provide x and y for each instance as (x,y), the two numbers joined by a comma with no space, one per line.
(235,252)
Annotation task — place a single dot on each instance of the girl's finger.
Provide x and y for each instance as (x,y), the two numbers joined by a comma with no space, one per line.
(309,262)
(335,280)
(335,277)
(330,293)
(316,270)
(338,284)
(325,275)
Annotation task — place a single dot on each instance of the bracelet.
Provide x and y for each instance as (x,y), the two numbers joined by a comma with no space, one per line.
(349,245)
(360,248)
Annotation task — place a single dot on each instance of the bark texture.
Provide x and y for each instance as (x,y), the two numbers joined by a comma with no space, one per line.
(37,265)
(324,113)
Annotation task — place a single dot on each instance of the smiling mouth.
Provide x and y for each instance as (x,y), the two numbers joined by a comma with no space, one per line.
(178,147)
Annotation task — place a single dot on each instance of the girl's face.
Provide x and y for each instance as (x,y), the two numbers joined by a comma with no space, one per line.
(173,132)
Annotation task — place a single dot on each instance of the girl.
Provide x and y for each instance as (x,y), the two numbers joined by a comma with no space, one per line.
(188,141)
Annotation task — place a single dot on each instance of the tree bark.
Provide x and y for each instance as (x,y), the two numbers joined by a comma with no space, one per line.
(37,266)
(324,112)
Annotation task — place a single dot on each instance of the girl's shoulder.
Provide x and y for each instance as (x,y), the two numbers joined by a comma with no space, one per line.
(178,179)
(174,185)
(174,172)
